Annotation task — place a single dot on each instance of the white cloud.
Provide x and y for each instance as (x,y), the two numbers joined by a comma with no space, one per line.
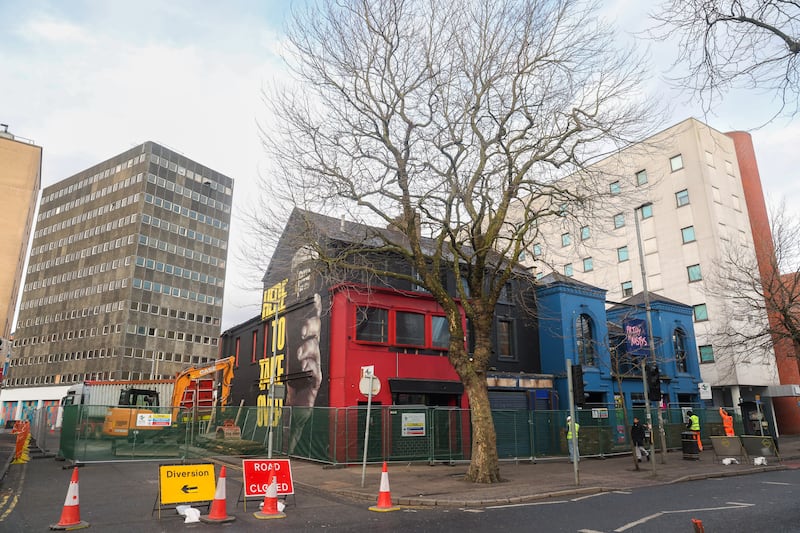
(55,31)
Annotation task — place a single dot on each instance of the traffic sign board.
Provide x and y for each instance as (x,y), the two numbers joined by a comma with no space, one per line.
(256,472)
(186,483)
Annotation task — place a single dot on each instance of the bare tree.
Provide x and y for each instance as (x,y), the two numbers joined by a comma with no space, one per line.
(726,44)
(434,118)
(763,303)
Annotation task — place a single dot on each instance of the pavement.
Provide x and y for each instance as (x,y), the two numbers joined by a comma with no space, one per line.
(415,484)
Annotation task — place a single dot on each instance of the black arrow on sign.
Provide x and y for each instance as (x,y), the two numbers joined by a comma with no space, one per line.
(187,490)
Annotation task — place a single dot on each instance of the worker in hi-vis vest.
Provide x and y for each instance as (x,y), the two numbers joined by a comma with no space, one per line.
(694,426)
(572,444)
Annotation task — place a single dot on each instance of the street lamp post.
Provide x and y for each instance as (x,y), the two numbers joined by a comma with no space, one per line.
(651,339)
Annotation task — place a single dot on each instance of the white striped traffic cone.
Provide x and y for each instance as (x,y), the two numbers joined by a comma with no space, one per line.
(71,514)
(385,495)
(269,508)
(219,507)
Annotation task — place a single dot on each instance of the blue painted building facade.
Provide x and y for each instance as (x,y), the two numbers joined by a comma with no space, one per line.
(576,328)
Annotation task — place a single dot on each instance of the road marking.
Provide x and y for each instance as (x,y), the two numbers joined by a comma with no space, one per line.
(589,531)
(775,483)
(12,503)
(529,504)
(638,522)
(579,498)
(730,505)
(622,492)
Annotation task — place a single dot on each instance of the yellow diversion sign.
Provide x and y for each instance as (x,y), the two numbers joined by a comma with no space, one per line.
(186,483)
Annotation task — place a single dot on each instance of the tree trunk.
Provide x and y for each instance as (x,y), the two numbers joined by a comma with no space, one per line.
(485,464)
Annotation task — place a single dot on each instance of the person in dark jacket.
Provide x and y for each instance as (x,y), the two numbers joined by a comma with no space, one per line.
(638,437)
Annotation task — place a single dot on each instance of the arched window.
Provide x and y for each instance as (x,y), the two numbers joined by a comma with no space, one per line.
(584,336)
(679,343)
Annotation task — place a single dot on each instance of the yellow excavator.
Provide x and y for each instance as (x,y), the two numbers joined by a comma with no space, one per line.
(193,391)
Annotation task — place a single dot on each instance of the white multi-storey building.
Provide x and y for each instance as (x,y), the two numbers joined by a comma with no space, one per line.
(684,185)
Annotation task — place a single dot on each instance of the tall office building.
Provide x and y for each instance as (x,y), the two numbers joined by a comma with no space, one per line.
(20,180)
(126,273)
(685,186)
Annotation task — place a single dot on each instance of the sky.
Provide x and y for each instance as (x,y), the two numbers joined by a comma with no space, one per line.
(88,79)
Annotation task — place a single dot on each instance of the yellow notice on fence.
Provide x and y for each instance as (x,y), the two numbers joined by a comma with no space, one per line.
(186,483)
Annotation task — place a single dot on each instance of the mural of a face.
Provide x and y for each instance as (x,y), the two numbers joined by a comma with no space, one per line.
(303,392)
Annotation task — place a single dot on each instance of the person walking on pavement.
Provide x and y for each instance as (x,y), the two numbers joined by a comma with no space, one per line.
(694,427)
(727,422)
(572,443)
(637,437)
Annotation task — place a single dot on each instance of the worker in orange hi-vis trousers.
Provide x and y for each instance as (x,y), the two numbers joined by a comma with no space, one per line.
(727,422)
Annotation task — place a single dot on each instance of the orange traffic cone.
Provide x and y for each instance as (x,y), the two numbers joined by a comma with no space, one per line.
(71,514)
(384,496)
(269,508)
(219,507)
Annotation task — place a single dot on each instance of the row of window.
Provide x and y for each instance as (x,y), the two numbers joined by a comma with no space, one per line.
(169,334)
(187,193)
(75,293)
(68,223)
(101,353)
(185,211)
(92,195)
(401,328)
(77,274)
(189,175)
(158,266)
(180,251)
(69,335)
(73,314)
(173,313)
(184,231)
(90,232)
(102,210)
(376,325)
(163,288)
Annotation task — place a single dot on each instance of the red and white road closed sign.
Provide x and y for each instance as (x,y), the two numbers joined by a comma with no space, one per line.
(256,472)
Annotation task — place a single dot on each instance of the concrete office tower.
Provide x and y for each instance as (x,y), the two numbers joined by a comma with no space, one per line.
(126,273)
(20,179)
(689,174)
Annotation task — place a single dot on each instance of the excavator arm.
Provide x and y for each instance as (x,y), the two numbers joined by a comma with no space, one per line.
(185,378)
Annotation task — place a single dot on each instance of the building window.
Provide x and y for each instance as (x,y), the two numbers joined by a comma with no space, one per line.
(409,328)
(614,187)
(694,273)
(565,239)
(627,289)
(736,204)
(676,162)
(372,324)
(440,333)
(706,354)
(687,234)
(641,177)
(505,339)
(679,343)
(619,220)
(700,312)
(585,233)
(682,197)
(622,254)
(253,349)
(587,264)
(568,269)
(537,250)
(584,335)
(647,211)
